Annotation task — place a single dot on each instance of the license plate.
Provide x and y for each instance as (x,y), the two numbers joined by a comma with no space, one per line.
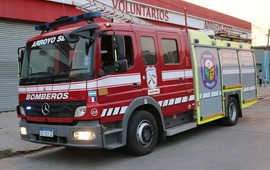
(46,133)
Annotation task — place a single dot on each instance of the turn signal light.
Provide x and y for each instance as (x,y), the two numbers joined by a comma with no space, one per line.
(108,25)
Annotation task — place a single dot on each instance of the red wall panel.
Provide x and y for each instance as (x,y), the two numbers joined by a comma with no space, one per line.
(35,10)
(45,11)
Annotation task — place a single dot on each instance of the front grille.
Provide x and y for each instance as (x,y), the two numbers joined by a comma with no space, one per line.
(57,109)
(55,139)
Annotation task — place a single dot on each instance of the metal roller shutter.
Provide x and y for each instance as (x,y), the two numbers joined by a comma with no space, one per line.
(13,34)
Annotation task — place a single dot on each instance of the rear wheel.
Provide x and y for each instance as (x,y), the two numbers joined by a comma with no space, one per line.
(142,133)
(232,112)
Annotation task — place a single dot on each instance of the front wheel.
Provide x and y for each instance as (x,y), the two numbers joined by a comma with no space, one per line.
(232,112)
(142,133)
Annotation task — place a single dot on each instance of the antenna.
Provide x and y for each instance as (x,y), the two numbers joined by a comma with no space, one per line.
(185,14)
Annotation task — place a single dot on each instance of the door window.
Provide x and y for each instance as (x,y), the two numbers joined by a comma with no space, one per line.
(169,51)
(148,51)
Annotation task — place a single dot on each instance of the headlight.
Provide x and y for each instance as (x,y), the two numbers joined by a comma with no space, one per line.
(84,135)
(23,130)
(80,111)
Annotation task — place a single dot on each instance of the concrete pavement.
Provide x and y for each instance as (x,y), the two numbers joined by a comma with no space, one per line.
(10,137)
(264,92)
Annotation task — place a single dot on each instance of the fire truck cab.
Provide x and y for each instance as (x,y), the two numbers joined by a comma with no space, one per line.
(108,85)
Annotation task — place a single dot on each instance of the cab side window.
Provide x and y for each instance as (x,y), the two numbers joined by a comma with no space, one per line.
(129,51)
(107,59)
(169,51)
(106,51)
(148,51)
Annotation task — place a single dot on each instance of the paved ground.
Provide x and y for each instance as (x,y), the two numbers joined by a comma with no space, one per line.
(10,137)
(9,134)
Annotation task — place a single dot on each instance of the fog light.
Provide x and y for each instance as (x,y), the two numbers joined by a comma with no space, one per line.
(23,130)
(84,135)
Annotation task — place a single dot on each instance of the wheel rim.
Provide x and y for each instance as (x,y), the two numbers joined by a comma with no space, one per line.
(232,111)
(144,133)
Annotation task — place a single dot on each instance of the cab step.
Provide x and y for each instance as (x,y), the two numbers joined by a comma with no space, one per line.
(181,128)
(113,130)
(113,146)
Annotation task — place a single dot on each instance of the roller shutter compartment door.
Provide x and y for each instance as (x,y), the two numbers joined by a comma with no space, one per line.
(13,34)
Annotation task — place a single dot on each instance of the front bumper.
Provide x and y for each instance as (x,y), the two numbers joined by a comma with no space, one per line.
(63,134)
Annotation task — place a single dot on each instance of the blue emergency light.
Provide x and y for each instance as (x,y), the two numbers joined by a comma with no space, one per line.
(68,20)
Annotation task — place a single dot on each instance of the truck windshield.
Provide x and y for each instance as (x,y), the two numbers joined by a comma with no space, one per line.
(54,59)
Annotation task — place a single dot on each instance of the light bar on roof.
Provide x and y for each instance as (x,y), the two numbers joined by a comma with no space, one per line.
(68,20)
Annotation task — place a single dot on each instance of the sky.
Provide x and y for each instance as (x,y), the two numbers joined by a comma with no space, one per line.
(255,11)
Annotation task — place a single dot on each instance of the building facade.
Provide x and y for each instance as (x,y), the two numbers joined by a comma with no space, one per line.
(18,18)
(262,56)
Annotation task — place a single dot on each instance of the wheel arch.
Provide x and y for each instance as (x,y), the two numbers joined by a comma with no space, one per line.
(149,104)
(237,96)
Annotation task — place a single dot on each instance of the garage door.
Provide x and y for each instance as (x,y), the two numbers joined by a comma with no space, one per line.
(13,34)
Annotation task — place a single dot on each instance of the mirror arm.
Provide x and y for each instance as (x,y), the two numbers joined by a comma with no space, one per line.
(80,35)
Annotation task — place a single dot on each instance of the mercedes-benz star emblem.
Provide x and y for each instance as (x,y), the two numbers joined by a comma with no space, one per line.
(45,108)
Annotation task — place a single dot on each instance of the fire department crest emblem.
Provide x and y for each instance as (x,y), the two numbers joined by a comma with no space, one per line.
(209,70)
(151,77)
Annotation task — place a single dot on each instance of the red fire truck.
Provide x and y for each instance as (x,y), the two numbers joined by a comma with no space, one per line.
(109,85)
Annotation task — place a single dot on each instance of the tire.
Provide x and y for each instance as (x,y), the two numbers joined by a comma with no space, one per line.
(142,133)
(232,112)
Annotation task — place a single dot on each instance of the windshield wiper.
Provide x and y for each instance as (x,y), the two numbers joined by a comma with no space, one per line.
(38,73)
(64,75)
(35,77)
(61,77)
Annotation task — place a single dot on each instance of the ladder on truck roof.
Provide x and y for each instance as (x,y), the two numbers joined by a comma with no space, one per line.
(108,12)
(222,35)
(230,36)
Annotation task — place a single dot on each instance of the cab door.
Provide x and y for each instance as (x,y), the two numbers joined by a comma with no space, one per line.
(150,65)
(117,89)
(176,95)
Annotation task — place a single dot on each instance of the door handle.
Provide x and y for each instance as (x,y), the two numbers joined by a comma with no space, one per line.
(181,79)
(135,85)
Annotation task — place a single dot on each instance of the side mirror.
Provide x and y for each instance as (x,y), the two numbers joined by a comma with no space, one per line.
(120,47)
(71,37)
(20,53)
(121,65)
(83,32)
